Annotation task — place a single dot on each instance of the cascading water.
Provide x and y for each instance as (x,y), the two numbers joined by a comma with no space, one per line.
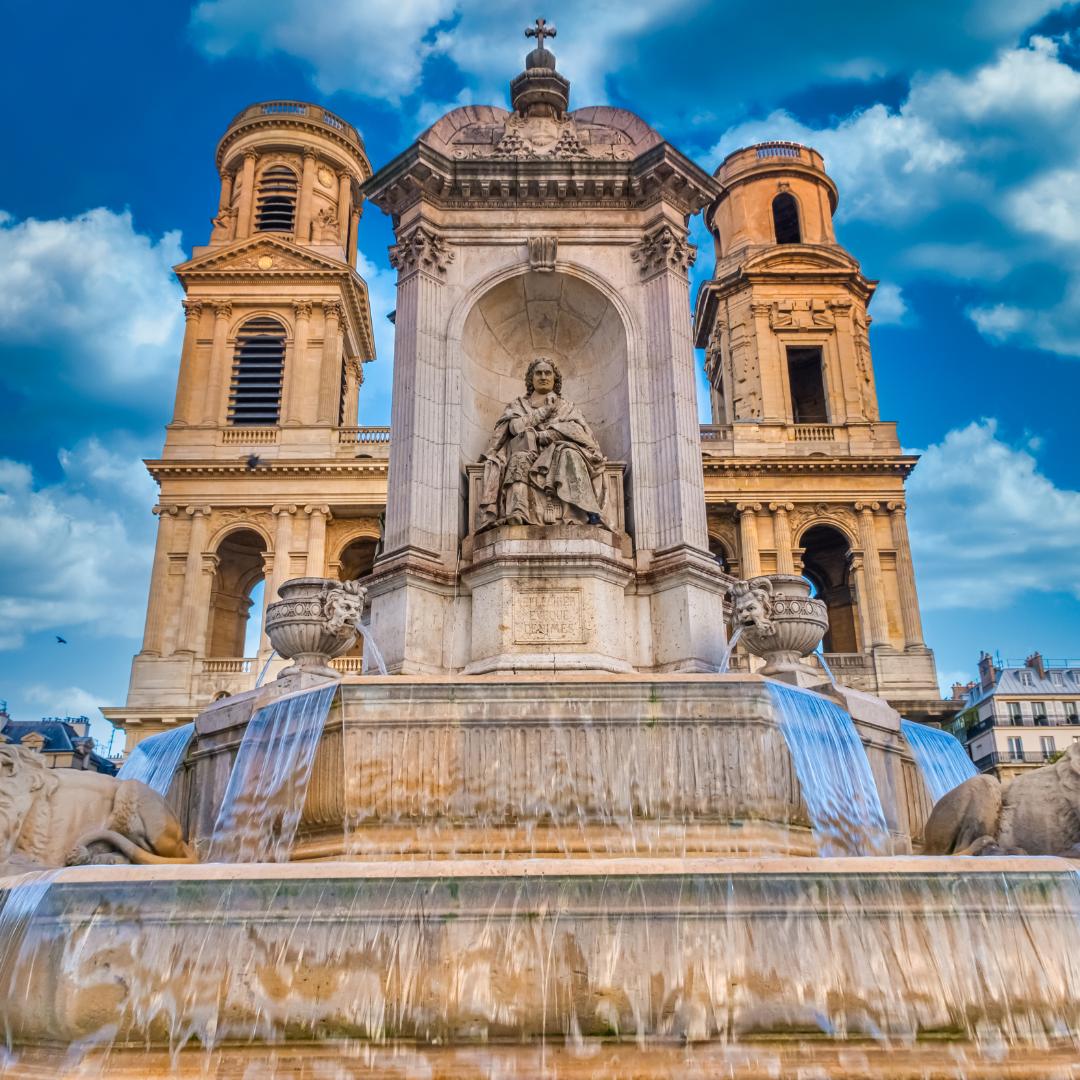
(833,772)
(940,757)
(725,657)
(269,781)
(369,645)
(155,760)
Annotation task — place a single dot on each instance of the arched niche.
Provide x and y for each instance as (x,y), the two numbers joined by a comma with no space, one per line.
(555,315)
(239,570)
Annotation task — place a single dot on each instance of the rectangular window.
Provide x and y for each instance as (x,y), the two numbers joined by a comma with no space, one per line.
(1038,709)
(807,382)
(1015,716)
(1047,744)
(1016,750)
(1072,716)
(1056,679)
(1024,677)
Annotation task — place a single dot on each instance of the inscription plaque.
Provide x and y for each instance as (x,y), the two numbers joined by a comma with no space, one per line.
(547,616)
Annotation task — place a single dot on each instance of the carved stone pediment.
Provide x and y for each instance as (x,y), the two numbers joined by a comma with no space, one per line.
(792,258)
(260,253)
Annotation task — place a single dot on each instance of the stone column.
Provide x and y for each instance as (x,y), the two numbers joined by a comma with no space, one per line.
(785,557)
(668,503)
(246,210)
(307,187)
(330,368)
(905,577)
(220,368)
(749,560)
(875,594)
(293,391)
(159,579)
(187,381)
(192,611)
(344,205)
(316,545)
(225,201)
(861,601)
(354,229)
(283,541)
(420,492)
(354,376)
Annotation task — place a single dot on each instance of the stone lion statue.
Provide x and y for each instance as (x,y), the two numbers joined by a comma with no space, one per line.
(65,817)
(752,603)
(1036,813)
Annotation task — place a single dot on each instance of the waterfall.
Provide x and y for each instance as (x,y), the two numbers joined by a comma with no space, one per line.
(268,784)
(833,771)
(940,757)
(155,760)
(369,643)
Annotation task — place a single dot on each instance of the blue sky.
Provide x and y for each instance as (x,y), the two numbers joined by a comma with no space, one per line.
(950,128)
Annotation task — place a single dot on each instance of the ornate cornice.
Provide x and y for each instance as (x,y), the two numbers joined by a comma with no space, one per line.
(741,467)
(364,468)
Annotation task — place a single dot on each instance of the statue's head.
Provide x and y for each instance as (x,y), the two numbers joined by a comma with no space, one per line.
(530,381)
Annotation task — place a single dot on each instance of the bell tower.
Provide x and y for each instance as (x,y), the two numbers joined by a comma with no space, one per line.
(266,473)
(801,474)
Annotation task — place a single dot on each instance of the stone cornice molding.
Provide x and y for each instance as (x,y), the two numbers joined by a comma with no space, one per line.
(663,249)
(358,469)
(743,467)
(297,127)
(422,249)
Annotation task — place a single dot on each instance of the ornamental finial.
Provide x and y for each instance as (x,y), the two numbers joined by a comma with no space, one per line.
(540,31)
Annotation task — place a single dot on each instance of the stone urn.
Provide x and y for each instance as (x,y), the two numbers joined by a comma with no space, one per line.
(781,622)
(314,621)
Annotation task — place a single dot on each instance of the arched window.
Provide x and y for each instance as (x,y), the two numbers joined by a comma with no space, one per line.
(239,571)
(785,214)
(827,566)
(258,368)
(276,203)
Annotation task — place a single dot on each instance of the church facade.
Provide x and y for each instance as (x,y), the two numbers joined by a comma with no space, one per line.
(524,235)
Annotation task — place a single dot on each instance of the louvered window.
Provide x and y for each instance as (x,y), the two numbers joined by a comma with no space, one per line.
(258,367)
(277,200)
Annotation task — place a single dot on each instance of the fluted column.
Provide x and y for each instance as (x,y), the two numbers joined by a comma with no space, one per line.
(354,375)
(246,209)
(344,205)
(307,187)
(292,406)
(154,632)
(905,576)
(875,594)
(785,560)
(220,368)
(862,600)
(192,614)
(185,383)
(225,200)
(750,561)
(354,229)
(316,545)
(283,542)
(330,369)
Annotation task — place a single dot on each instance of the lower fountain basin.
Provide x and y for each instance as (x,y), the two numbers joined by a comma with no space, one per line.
(855,967)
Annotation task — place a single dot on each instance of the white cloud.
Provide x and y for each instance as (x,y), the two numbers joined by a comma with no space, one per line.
(76,553)
(888,307)
(62,701)
(986,526)
(96,298)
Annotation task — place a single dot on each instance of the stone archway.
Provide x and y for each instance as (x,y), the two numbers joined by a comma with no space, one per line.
(240,568)
(827,565)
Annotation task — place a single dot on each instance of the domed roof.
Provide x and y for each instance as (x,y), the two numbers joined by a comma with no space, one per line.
(595,132)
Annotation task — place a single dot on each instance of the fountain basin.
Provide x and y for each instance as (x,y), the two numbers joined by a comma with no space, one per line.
(637,960)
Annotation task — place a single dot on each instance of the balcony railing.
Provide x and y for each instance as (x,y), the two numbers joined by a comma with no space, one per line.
(812,433)
(249,436)
(1017,757)
(353,435)
(298,108)
(237,665)
(778,149)
(348,665)
(715,432)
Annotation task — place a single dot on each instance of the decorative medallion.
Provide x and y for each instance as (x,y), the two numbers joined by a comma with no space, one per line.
(266,261)
(326,177)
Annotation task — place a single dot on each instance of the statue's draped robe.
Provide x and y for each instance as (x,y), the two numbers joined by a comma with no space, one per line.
(562,483)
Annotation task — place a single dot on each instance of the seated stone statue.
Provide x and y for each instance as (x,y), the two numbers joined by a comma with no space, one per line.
(543,465)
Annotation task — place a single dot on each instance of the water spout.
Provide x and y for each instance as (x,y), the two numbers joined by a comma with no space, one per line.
(369,643)
(833,771)
(155,760)
(819,652)
(725,658)
(268,784)
(262,674)
(940,757)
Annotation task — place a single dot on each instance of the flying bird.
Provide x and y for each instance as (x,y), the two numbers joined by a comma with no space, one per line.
(60,640)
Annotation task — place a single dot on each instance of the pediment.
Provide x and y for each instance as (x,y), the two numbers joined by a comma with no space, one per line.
(793,258)
(264,254)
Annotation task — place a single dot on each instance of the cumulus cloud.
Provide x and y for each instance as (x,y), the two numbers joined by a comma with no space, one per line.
(888,305)
(76,553)
(986,526)
(63,701)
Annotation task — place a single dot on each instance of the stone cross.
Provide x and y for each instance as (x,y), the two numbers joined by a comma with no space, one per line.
(540,31)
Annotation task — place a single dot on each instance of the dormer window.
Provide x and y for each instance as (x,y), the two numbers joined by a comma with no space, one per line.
(785,212)
(276,203)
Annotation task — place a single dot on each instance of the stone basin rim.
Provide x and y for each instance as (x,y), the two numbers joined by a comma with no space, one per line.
(913,866)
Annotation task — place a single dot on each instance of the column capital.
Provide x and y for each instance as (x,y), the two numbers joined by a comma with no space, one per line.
(192,309)
(748,508)
(867,508)
(422,249)
(313,508)
(309,154)
(222,309)
(169,511)
(897,507)
(855,558)
(210,562)
(333,309)
(197,511)
(344,174)
(663,248)
(251,154)
(779,507)
(280,508)
(302,309)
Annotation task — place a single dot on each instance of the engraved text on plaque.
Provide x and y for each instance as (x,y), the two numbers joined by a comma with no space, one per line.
(547,616)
